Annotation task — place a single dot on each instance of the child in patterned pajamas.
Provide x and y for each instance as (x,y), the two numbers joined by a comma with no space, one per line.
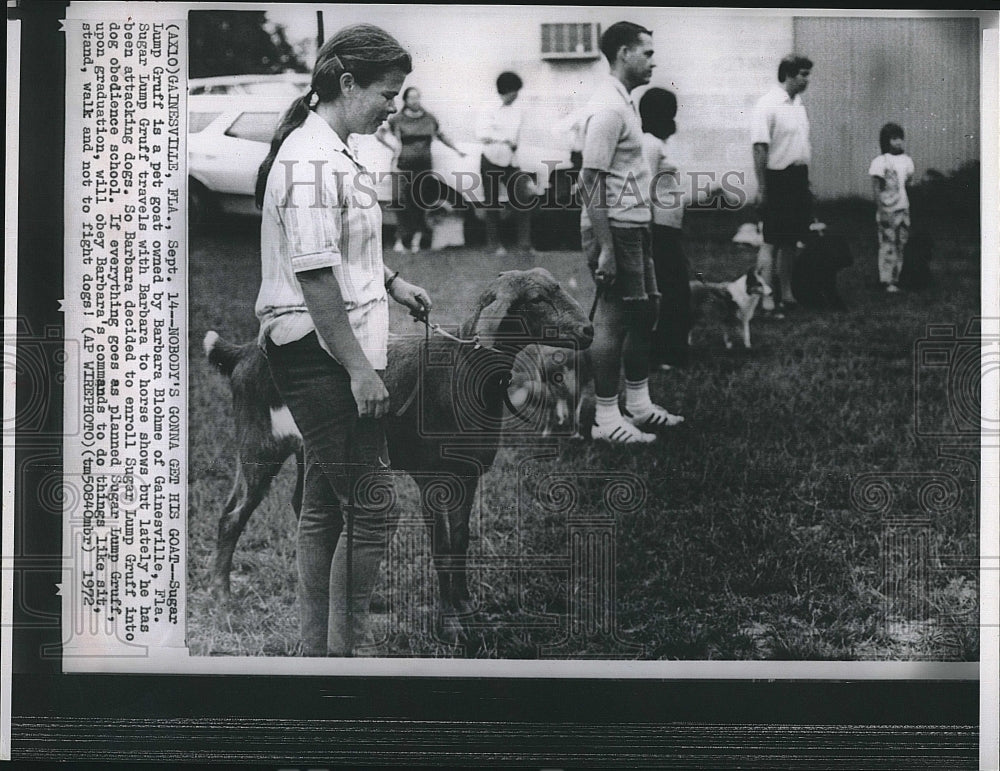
(891,172)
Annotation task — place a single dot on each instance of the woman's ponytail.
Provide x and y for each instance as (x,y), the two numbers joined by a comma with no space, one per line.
(294,117)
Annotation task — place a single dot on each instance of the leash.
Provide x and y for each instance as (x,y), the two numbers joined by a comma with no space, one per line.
(423,316)
(597,297)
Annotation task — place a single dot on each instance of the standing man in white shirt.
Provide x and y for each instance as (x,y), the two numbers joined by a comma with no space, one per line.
(499,129)
(781,154)
(615,233)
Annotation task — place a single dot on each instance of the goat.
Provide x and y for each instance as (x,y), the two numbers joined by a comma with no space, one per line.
(447,399)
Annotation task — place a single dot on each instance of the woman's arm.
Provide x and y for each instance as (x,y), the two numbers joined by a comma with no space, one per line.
(325,303)
(448,143)
(413,297)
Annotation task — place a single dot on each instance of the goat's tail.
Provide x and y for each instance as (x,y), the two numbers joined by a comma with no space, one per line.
(221,353)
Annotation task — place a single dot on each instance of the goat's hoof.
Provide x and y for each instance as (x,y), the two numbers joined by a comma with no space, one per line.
(450,629)
(465,608)
(221,592)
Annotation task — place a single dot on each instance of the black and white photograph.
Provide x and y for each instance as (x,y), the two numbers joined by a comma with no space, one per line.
(731,450)
(501,384)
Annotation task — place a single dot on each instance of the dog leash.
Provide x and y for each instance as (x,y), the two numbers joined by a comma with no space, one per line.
(423,316)
(597,297)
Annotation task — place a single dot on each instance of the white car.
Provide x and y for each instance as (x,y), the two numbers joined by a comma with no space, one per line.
(288,85)
(229,136)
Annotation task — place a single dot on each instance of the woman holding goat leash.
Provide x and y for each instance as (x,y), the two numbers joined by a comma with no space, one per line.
(324,319)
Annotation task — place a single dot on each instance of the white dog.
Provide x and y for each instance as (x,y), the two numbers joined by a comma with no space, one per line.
(729,306)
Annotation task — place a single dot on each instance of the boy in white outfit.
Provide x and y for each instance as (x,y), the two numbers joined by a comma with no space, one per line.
(891,172)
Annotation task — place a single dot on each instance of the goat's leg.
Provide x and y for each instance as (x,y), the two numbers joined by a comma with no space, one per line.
(459,527)
(253,479)
(436,522)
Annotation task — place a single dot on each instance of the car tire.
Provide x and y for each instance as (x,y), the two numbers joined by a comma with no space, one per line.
(202,209)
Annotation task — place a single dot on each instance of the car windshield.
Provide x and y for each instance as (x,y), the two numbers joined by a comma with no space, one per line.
(255,126)
(198,121)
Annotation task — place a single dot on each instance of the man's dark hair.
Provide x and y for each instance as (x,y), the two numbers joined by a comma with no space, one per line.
(623,33)
(889,132)
(507,82)
(791,65)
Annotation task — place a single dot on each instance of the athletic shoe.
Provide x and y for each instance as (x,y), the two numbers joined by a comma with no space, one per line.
(399,248)
(655,418)
(621,433)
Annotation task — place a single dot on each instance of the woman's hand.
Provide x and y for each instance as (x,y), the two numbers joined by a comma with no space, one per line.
(413,297)
(370,394)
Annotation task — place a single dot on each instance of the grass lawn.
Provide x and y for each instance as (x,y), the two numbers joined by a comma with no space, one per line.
(745,541)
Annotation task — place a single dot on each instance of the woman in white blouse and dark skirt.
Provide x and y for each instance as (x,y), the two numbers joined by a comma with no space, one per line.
(657,109)
(324,316)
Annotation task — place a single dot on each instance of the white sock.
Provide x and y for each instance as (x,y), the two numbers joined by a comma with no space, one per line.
(637,400)
(607,411)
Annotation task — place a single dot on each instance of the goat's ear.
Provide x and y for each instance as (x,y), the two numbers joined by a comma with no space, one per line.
(494,307)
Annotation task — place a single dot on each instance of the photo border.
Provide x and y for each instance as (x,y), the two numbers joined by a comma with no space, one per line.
(52,714)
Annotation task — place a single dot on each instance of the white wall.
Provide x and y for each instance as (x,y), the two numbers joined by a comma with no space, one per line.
(718,63)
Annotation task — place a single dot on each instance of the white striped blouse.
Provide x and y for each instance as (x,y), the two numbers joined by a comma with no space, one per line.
(321,211)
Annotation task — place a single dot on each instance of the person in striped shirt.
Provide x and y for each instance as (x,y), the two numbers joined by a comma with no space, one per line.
(324,316)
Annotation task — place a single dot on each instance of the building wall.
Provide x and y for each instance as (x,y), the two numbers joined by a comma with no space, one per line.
(717,62)
(920,73)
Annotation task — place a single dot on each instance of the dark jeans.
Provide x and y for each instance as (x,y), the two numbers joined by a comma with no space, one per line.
(415,197)
(342,464)
(670,340)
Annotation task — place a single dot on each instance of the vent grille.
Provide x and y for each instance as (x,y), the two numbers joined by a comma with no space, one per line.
(570,41)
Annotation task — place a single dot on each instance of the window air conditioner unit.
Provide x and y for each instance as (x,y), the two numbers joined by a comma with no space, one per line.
(571,41)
